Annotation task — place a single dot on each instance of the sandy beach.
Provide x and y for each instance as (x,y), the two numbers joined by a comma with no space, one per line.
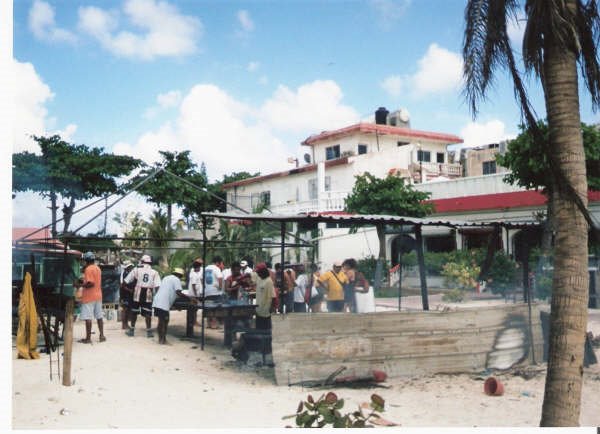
(132,382)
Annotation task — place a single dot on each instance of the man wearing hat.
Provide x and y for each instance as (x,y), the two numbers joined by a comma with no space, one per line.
(333,281)
(147,282)
(91,298)
(244,267)
(168,291)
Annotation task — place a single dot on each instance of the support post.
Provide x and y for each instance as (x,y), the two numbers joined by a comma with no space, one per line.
(203,280)
(281,293)
(68,343)
(421,257)
(400,270)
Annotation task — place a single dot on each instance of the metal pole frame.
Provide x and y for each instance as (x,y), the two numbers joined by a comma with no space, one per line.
(203,278)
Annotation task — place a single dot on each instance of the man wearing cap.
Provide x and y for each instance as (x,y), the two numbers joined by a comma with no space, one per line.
(168,291)
(147,282)
(194,291)
(91,299)
(265,297)
(333,281)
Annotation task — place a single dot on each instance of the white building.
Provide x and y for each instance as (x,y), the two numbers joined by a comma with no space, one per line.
(389,146)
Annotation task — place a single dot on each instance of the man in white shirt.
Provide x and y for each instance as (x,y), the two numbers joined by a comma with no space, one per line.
(194,290)
(245,267)
(170,288)
(213,284)
(147,282)
(301,284)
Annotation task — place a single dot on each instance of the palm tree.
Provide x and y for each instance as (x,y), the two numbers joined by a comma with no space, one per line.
(559,34)
(160,232)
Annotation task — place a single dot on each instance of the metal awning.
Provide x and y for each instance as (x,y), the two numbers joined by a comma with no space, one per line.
(366,219)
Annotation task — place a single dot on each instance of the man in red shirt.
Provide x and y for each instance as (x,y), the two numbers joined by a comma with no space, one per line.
(91,299)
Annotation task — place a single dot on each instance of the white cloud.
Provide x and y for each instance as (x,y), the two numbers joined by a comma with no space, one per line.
(245,21)
(164,31)
(43,26)
(253,66)
(439,71)
(164,101)
(30,113)
(169,99)
(67,133)
(393,85)
(312,107)
(477,134)
(390,11)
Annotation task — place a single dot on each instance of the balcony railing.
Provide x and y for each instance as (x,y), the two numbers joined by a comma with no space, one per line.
(330,201)
(449,170)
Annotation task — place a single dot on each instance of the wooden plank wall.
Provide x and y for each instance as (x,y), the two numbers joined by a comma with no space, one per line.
(312,346)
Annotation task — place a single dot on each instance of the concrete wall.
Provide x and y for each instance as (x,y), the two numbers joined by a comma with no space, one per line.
(312,346)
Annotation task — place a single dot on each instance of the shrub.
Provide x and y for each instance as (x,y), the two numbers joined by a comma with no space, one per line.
(454,295)
(368,265)
(326,411)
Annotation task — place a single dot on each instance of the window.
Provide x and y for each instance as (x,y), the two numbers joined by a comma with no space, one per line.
(489,167)
(313,189)
(362,149)
(403,143)
(440,157)
(265,198)
(424,156)
(332,152)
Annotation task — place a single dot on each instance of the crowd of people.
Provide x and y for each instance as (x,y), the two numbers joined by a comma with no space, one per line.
(281,289)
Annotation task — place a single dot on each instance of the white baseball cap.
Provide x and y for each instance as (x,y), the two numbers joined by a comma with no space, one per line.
(146,258)
(243,263)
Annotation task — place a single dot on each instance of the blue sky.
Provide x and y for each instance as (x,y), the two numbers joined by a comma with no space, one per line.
(242,83)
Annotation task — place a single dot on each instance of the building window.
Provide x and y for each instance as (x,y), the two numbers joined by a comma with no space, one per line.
(313,189)
(332,152)
(265,198)
(424,156)
(489,167)
(362,149)
(440,157)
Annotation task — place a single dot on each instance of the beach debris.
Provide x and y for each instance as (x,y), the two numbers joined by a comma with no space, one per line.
(493,387)
(64,411)
(526,393)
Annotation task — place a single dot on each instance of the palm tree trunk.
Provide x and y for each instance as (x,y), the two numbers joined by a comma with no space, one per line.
(568,317)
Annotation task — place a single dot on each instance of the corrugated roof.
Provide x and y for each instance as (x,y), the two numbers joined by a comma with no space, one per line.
(366,219)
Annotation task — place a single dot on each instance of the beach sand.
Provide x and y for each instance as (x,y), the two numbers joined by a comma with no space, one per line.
(132,382)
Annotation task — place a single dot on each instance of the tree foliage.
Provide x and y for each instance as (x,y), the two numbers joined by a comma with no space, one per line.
(388,196)
(73,172)
(529,164)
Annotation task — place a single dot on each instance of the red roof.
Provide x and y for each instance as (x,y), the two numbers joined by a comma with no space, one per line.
(365,127)
(307,168)
(499,201)
(18,233)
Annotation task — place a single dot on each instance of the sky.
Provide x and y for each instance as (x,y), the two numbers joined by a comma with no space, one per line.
(241,83)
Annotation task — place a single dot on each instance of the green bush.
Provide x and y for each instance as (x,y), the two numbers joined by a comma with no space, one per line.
(454,295)
(368,265)
(326,411)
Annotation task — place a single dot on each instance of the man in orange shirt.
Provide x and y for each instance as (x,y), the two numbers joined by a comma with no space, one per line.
(91,299)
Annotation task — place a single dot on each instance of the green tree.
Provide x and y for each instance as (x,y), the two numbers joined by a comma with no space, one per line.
(72,172)
(388,196)
(559,34)
(133,226)
(167,190)
(159,231)
(531,169)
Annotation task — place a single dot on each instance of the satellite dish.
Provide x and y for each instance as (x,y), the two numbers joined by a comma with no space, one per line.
(404,115)
(307,158)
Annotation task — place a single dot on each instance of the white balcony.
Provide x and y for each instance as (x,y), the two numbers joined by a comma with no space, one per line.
(329,201)
(433,170)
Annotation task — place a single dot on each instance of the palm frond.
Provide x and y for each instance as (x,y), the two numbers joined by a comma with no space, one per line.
(485,45)
(588,30)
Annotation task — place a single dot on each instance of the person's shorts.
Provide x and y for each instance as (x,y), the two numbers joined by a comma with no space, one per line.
(91,310)
(161,313)
(142,307)
(335,305)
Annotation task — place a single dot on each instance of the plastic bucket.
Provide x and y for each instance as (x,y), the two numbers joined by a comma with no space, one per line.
(493,387)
